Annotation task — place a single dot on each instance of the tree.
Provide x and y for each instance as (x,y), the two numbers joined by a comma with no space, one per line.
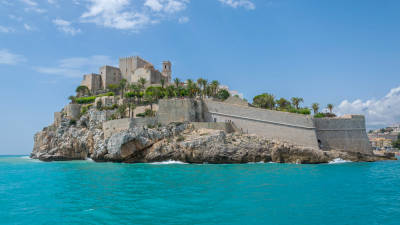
(283,103)
(121,110)
(396,144)
(191,88)
(330,107)
(315,107)
(296,101)
(82,90)
(171,91)
(202,86)
(73,99)
(122,86)
(99,105)
(177,82)
(113,87)
(162,81)
(265,100)
(223,94)
(214,85)
(142,81)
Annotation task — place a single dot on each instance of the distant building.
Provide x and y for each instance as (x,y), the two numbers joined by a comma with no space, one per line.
(131,69)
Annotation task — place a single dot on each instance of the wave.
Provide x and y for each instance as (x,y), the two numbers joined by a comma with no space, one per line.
(89,160)
(25,157)
(261,162)
(168,162)
(339,160)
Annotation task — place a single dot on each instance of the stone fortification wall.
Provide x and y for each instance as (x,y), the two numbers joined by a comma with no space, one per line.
(179,110)
(115,126)
(73,111)
(129,65)
(92,81)
(110,75)
(227,127)
(284,126)
(343,133)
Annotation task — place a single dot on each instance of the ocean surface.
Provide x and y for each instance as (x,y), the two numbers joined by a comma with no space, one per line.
(84,192)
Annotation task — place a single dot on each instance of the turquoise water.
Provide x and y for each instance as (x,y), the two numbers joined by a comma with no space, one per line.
(33,192)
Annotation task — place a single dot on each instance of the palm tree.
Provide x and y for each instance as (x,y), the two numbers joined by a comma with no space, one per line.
(162,81)
(315,107)
(82,90)
(214,87)
(177,82)
(296,101)
(330,107)
(283,103)
(142,82)
(122,85)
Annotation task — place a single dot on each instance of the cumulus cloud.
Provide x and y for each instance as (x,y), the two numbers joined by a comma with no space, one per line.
(8,58)
(6,29)
(66,27)
(76,66)
(28,27)
(378,112)
(117,14)
(247,4)
(124,15)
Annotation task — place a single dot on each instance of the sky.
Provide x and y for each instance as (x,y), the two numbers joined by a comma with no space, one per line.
(342,52)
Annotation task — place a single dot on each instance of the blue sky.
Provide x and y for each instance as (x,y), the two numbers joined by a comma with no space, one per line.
(342,52)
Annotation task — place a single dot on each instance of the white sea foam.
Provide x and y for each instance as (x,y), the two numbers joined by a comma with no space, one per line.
(25,157)
(89,160)
(261,162)
(168,162)
(339,160)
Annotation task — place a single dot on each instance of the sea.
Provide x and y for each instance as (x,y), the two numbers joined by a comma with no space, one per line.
(85,192)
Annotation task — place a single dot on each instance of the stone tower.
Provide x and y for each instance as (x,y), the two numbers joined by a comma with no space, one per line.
(166,71)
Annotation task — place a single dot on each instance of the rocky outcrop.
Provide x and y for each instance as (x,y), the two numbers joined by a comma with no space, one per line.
(84,138)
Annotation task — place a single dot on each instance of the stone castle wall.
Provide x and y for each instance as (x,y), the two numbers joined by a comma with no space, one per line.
(346,133)
(110,75)
(284,126)
(129,65)
(92,81)
(179,110)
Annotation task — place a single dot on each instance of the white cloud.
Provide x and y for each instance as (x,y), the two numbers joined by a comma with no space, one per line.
(32,6)
(381,112)
(183,19)
(29,2)
(76,66)
(6,29)
(125,15)
(66,27)
(247,4)
(8,58)
(14,17)
(28,27)
(168,6)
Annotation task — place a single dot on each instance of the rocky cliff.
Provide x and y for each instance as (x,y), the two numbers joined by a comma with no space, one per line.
(78,140)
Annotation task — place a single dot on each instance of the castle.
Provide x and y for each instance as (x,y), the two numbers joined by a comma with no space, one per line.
(131,69)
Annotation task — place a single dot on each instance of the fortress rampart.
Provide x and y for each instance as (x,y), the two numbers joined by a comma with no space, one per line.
(342,133)
(289,127)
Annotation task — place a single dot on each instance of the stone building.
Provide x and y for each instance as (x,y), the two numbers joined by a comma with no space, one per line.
(131,69)
(93,81)
(110,75)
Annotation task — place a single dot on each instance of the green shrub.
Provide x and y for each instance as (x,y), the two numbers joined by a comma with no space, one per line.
(72,122)
(305,111)
(84,110)
(85,100)
(319,115)
(140,115)
(149,113)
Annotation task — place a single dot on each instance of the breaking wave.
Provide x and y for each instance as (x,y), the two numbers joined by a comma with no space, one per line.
(339,160)
(168,162)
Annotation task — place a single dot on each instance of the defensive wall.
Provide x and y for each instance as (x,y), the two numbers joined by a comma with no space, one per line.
(227,127)
(180,110)
(284,126)
(115,126)
(345,133)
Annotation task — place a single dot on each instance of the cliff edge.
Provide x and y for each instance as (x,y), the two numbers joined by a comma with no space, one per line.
(82,139)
